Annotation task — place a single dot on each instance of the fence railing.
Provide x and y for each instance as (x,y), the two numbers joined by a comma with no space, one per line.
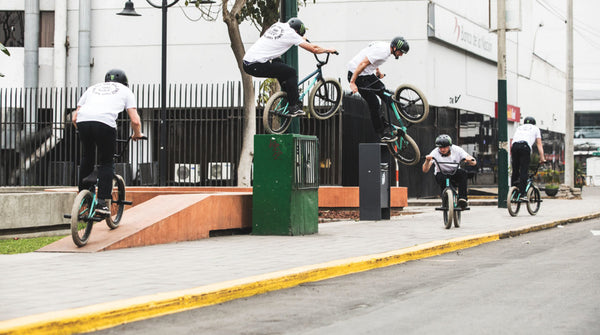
(204,123)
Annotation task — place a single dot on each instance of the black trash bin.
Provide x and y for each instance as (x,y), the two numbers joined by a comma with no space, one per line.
(374,181)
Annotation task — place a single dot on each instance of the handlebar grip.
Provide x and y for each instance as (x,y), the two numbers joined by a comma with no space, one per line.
(336,53)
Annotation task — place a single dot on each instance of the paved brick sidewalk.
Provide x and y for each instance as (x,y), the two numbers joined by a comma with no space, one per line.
(41,282)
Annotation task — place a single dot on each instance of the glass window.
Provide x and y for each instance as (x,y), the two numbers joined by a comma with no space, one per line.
(11,33)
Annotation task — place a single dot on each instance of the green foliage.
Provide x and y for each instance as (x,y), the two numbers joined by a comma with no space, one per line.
(23,245)
(267,88)
(263,13)
(551,177)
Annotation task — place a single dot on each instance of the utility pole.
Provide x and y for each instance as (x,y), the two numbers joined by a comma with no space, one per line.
(569,115)
(502,122)
(289,9)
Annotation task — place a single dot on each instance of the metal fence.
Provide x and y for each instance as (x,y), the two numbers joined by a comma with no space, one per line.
(204,123)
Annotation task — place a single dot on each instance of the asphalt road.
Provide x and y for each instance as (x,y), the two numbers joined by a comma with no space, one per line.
(543,283)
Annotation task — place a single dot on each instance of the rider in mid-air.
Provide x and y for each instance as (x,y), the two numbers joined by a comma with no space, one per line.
(363,72)
(262,59)
(446,152)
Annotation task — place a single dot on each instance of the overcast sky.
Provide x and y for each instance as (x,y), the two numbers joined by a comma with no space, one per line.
(551,39)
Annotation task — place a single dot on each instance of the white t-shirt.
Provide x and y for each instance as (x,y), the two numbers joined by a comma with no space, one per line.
(103,102)
(528,133)
(456,155)
(273,43)
(377,53)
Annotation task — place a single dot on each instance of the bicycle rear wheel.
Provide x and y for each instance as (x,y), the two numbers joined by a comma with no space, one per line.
(275,116)
(533,200)
(448,205)
(512,201)
(405,150)
(413,105)
(325,98)
(81,223)
(116,203)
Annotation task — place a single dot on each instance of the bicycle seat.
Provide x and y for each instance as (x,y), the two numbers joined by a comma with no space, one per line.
(92,178)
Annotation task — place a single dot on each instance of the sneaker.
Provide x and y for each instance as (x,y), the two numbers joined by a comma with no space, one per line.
(102,208)
(524,199)
(296,110)
(388,137)
(462,203)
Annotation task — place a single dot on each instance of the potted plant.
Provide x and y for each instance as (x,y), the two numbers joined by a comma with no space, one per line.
(552,182)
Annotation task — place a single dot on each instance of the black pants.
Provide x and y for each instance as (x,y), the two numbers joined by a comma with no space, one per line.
(97,135)
(520,153)
(459,179)
(276,68)
(372,82)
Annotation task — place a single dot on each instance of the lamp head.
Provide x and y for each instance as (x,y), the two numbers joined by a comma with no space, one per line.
(129,10)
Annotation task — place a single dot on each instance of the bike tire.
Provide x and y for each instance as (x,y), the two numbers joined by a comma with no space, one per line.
(275,118)
(533,200)
(448,205)
(325,98)
(408,154)
(513,202)
(81,226)
(457,216)
(414,106)
(117,205)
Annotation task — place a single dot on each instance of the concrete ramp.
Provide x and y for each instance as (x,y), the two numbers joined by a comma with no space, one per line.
(166,219)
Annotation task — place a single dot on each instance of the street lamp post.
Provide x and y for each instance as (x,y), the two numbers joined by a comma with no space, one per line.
(162,153)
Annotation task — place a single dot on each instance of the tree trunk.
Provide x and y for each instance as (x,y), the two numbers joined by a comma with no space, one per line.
(247,153)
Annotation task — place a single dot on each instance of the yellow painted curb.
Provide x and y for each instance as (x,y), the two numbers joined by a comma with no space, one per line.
(106,315)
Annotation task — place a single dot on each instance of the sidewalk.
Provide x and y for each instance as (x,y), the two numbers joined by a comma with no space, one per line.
(239,265)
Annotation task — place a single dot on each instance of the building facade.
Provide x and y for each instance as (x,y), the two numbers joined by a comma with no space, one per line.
(452,58)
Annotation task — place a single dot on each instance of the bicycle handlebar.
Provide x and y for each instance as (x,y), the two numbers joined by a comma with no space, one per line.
(456,165)
(125,145)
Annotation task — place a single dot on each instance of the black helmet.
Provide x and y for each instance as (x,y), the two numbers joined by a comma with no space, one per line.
(297,25)
(116,75)
(399,43)
(529,120)
(443,141)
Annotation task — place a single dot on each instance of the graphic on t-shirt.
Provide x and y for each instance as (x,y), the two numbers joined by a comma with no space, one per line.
(274,32)
(106,89)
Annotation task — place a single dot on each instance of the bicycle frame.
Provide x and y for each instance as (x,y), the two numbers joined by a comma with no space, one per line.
(530,176)
(319,75)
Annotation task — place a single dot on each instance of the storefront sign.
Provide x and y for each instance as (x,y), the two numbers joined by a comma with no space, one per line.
(460,32)
(513,113)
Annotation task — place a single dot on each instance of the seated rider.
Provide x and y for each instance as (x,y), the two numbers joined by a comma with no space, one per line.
(445,151)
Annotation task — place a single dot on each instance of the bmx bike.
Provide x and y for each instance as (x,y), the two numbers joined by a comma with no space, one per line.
(83,213)
(534,199)
(406,103)
(324,100)
(452,211)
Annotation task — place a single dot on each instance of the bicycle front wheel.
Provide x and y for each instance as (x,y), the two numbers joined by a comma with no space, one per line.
(457,216)
(275,116)
(533,200)
(448,205)
(405,149)
(325,98)
(81,222)
(411,103)
(512,201)
(117,205)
